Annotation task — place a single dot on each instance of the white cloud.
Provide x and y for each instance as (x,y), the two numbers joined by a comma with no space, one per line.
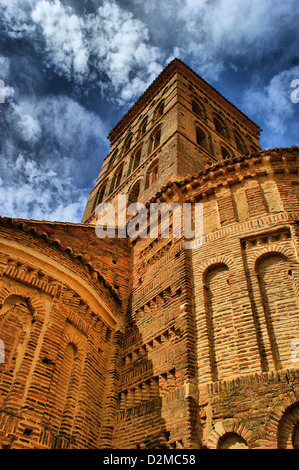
(209,33)
(44,140)
(6,92)
(4,67)
(30,129)
(113,42)
(15,17)
(40,193)
(273,104)
(89,49)
(110,41)
(64,35)
(121,46)
(43,174)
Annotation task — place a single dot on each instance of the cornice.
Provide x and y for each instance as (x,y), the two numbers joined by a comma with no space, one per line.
(227,173)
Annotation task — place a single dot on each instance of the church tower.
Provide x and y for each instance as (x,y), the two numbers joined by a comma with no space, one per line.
(179,125)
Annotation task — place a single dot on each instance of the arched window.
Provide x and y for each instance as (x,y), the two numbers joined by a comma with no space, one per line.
(288,428)
(116,178)
(152,174)
(143,126)
(159,111)
(225,153)
(278,289)
(16,325)
(220,126)
(119,176)
(65,387)
(197,108)
(201,138)
(137,159)
(219,320)
(232,440)
(240,142)
(157,138)
(134,193)
(127,144)
(112,160)
(154,140)
(134,161)
(101,193)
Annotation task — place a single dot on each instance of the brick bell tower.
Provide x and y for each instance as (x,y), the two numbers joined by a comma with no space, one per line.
(179,125)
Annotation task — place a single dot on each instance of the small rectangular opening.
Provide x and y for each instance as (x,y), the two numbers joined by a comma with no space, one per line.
(47,361)
(108,334)
(28,431)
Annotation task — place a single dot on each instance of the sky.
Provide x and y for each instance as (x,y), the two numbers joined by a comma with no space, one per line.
(70,69)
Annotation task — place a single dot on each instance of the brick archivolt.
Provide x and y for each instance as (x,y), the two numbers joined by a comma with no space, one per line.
(216,261)
(57,244)
(10,296)
(283,416)
(60,319)
(287,252)
(32,276)
(36,302)
(35,279)
(79,341)
(34,268)
(229,426)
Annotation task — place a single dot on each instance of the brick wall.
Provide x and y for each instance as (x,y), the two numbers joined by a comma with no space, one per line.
(122,343)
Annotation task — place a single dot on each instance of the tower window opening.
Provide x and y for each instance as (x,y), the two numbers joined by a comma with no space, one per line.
(127,144)
(116,178)
(112,160)
(136,160)
(159,111)
(134,193)
(143,127)
(240,143)
(155,141)
(201,138)
(225,153)
(196,108)
(152,174)
(220,127)
(101,194)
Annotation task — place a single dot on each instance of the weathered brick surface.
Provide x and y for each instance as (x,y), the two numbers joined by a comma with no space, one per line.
(121,343)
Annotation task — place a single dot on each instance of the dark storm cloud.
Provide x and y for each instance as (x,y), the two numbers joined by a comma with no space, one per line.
(71,69)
